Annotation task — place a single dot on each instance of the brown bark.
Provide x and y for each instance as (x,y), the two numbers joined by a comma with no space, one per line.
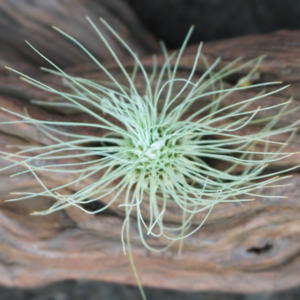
(242,248)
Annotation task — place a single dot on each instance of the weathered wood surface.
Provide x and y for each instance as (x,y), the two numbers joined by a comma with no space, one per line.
(33,21)
(242,248)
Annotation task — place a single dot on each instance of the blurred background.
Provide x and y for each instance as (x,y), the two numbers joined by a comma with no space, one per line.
(90,290)
(169,20)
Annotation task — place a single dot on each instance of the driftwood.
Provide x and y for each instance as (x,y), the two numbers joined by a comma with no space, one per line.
(33,21)
(242,248)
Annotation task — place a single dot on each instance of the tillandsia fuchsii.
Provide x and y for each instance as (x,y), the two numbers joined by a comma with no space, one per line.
(158,154)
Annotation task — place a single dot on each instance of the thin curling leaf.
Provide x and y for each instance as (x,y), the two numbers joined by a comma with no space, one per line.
(157,155)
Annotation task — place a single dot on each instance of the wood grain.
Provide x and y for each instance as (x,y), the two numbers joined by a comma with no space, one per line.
(252,247)
(32,21)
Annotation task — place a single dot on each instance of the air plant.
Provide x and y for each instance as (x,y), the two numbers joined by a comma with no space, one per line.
(159,154)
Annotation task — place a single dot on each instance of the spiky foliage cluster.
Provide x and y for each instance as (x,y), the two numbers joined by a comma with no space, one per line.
(159,155)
